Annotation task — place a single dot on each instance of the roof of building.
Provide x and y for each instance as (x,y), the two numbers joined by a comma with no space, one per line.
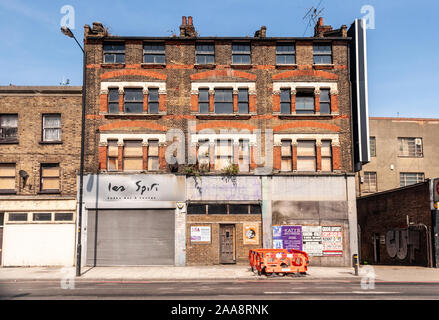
(36,90)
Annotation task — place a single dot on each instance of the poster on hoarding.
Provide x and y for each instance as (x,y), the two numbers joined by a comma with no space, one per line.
(251,233)
(312,240)
(200,234)
(332,240)
(287,237)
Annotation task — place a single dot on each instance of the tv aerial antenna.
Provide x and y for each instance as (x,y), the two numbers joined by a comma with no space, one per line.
(313,15)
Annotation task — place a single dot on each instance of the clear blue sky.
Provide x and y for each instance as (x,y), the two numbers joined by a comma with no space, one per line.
(402,49)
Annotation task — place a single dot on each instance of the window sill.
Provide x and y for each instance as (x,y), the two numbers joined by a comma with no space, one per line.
(9,142)
(241,66)
(50,142)
(414,157)
(134,115)
(286,66)
(307,116)
(204,66)
(49,192)
(113,65)
(215,116)
(323,66)
(8,192)
(153,65)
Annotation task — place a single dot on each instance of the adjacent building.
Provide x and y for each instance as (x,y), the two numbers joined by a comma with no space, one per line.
(403,152)
(400,226)
(39,160)
(197,147)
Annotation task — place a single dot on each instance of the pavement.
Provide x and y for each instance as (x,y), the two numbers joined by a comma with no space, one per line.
(223,272)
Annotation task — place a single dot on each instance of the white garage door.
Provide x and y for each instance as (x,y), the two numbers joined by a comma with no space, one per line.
(130,237)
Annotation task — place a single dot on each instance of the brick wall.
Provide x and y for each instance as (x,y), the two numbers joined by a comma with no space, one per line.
(180,71)
(382,212)
(29,152)
(207,254)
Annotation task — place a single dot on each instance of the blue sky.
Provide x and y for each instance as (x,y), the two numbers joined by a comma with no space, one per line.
(402,49)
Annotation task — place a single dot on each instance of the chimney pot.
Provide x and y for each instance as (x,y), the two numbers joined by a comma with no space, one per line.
(321,21)
(183,20)
(190,20)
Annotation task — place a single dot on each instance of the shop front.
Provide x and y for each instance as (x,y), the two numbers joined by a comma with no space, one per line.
(224,219)
(37,232)
(134,220)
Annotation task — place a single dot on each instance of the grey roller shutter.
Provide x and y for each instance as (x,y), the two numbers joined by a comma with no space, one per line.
(130,237)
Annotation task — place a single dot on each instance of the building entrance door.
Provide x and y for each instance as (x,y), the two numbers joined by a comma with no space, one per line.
(227,244)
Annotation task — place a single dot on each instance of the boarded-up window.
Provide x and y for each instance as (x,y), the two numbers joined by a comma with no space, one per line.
(326,153)
(153,155)
(244,155)
(223,154)
(7,176)
(306,156)
(133,156)
(113,152)
(286,156)
(203,153)
(50,177)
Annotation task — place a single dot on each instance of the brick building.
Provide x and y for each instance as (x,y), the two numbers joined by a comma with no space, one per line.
(197,146)
(403,152)
(39,160)
(400,226)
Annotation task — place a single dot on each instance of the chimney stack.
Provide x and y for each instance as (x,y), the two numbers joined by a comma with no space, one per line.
(320,29)
(261,33)
(187,28)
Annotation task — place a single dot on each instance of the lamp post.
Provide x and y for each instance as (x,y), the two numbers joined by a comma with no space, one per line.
(66,31)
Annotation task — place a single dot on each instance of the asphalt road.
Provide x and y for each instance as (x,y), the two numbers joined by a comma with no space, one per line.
(269,289)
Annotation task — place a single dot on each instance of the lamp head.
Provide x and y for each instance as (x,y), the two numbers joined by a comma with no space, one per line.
(66,31)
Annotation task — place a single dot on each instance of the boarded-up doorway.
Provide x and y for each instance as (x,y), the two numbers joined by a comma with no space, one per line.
(227,244)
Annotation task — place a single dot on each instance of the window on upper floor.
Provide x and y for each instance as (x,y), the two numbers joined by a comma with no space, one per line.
(326,155)
(285,53)
(223,101)
(205,53)
(113,155)
(153,100)
(241,53)
(373,148)
(286,156)
(305,102)
(153,155)
(113,100)
(7,177)
(306,155)
(285,101)
(52,127)
(133,155)
(410,147)
(325,101)
(223,154)
(50,177)
(409,178)
(133,100)
(370,182)
(114,52)
(322,53)
(154,53)
(203,100)
(243,101)
(244,155)
(8,128)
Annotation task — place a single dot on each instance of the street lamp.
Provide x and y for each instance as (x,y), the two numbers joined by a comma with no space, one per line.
(66,31)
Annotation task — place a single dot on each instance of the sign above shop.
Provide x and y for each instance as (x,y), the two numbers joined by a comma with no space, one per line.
(112,188)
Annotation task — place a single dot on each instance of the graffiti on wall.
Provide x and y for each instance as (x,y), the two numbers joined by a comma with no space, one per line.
(401,243)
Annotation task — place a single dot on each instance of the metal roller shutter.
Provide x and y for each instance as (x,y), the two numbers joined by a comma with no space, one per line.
(130,237)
